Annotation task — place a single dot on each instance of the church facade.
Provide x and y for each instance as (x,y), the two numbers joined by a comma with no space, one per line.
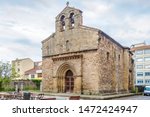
(84,60)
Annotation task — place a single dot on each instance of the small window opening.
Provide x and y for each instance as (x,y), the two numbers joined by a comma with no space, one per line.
(107,55)
(63,22)
(119,57)
(72,20)
(67,45)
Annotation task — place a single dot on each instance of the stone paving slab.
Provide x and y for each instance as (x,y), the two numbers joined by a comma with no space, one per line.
(91,97)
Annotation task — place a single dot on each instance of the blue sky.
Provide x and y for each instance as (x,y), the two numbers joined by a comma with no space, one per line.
(25,23)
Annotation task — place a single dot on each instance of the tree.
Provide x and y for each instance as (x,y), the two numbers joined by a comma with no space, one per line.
(14,74)
(5,70)
(5,76)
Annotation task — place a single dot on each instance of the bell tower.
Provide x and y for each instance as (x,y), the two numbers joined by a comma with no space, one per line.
(68,19)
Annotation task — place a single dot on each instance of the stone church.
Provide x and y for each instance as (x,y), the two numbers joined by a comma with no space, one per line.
(83,60)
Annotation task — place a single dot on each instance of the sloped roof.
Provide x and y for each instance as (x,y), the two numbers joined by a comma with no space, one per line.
(66,8)
(33,70)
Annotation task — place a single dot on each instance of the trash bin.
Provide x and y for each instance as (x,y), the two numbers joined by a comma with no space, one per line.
(26,95)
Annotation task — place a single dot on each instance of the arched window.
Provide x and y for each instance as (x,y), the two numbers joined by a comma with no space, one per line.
(67,45)
(62,19)
(72,19)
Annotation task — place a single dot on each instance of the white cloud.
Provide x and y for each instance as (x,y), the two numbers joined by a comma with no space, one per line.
(119,20)
(37,22)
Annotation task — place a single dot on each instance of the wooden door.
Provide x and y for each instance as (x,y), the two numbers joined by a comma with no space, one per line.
(69,82)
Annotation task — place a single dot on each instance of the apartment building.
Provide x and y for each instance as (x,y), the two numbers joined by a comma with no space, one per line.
(21,66)
(36,72)
(142,64)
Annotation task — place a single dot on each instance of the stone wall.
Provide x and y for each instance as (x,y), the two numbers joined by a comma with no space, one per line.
(84,68)
(99,63)
(73,40)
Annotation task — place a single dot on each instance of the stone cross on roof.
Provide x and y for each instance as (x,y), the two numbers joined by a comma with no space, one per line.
(67,3)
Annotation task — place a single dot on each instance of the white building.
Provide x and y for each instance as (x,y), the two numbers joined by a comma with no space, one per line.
(142,64)
(36,72)
(21,66)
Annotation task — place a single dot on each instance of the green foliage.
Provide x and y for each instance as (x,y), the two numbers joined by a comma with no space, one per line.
(37,82)
(5,84)
(27,88)
(8,88)
(134,90)
(7,73)
(14,74)
(1,86)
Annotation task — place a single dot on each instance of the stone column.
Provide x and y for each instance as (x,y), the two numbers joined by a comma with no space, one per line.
(67,24)
(21,87)
(41,86)
(16,86)
(77,85)
(55,85)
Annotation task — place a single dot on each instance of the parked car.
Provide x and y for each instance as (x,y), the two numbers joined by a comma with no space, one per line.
(147,90)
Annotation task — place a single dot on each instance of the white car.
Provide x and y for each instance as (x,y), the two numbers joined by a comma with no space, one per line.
(147,90)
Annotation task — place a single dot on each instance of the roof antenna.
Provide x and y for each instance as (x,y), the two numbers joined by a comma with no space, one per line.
(67,3)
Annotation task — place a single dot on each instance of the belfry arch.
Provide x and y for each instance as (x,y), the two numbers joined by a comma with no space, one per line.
(66,76)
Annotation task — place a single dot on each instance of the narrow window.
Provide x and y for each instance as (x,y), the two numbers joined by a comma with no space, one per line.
(72,20)
(32,76)
(67,45)
(147,73)
(63,22)
(119,57)
(107,55)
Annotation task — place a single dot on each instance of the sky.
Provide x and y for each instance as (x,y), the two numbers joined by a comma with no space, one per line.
(25,23)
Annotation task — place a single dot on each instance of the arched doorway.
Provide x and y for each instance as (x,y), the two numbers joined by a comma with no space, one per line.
(69,82)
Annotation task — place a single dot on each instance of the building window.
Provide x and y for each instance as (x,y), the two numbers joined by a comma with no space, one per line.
(147,58)
(62,19)
(39,75)
(119,57)
(72,20)
(139,52)
(147,73)
(147,51)
(32,76)
(139,66)
(107,55)
(147,66)
(67,45)
(139,81)
(147,81)
(139,59)
(139,74)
